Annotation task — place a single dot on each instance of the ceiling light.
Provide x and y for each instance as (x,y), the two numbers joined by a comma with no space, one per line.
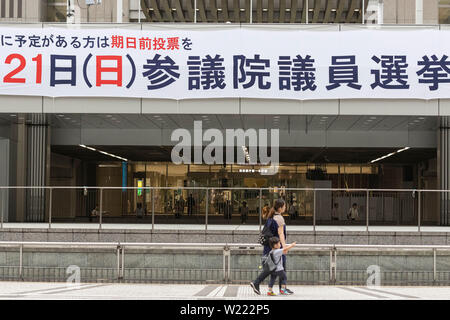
(401,150)
(390,154)
(103,152)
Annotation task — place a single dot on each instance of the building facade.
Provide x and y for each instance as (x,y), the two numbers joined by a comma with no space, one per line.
(323,143)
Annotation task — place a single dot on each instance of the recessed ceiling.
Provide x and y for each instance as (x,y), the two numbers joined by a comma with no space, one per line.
(238,11)
(227,121)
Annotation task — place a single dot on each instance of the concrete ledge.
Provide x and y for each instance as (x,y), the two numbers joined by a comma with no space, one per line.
(221,233)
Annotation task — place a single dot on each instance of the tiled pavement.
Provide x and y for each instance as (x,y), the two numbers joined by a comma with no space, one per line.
(56,291)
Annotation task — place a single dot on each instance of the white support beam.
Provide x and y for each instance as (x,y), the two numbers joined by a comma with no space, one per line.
(419,11)
(120,11)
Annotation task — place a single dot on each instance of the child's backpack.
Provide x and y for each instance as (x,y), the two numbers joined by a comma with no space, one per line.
(268,263)
(266,233)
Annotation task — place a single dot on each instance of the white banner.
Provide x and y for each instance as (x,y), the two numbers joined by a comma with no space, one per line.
(225,63)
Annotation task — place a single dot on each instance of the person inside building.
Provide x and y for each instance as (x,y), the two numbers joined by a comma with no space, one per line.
(179,207)
(353,212)
(334,212)
(190,204)
(139,210)
(292,211)
(228,210)
(94,213)
(244,212)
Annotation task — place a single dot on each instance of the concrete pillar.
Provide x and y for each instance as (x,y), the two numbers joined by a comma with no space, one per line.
(38,167)
(29,166)
(444,168)
(18,159)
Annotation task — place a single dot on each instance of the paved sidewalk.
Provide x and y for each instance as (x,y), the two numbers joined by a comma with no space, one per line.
(102,291)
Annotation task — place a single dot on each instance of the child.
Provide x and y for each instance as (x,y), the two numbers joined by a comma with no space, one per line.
(277,256)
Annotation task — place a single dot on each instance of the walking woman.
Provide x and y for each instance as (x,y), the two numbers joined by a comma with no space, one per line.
(278,227)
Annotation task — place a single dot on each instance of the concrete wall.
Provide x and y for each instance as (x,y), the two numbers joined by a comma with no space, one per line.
(405,11)
(26,12)
(112,199)
(201,266)
(399,12)
(63,173)
(4,177)
(221,236)
(430,12)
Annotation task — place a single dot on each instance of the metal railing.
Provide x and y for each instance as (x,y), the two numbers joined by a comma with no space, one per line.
(314,205)
(228,249)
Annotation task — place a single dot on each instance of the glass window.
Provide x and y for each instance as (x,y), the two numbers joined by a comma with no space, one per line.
(332,169)
(351,169)
(287,169)
(444,11)
(373,12)
(198,168)
(57,11)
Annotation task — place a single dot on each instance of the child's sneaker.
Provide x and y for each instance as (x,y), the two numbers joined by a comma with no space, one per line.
(289,291)
(271,293)
(255,288)
(284,292)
